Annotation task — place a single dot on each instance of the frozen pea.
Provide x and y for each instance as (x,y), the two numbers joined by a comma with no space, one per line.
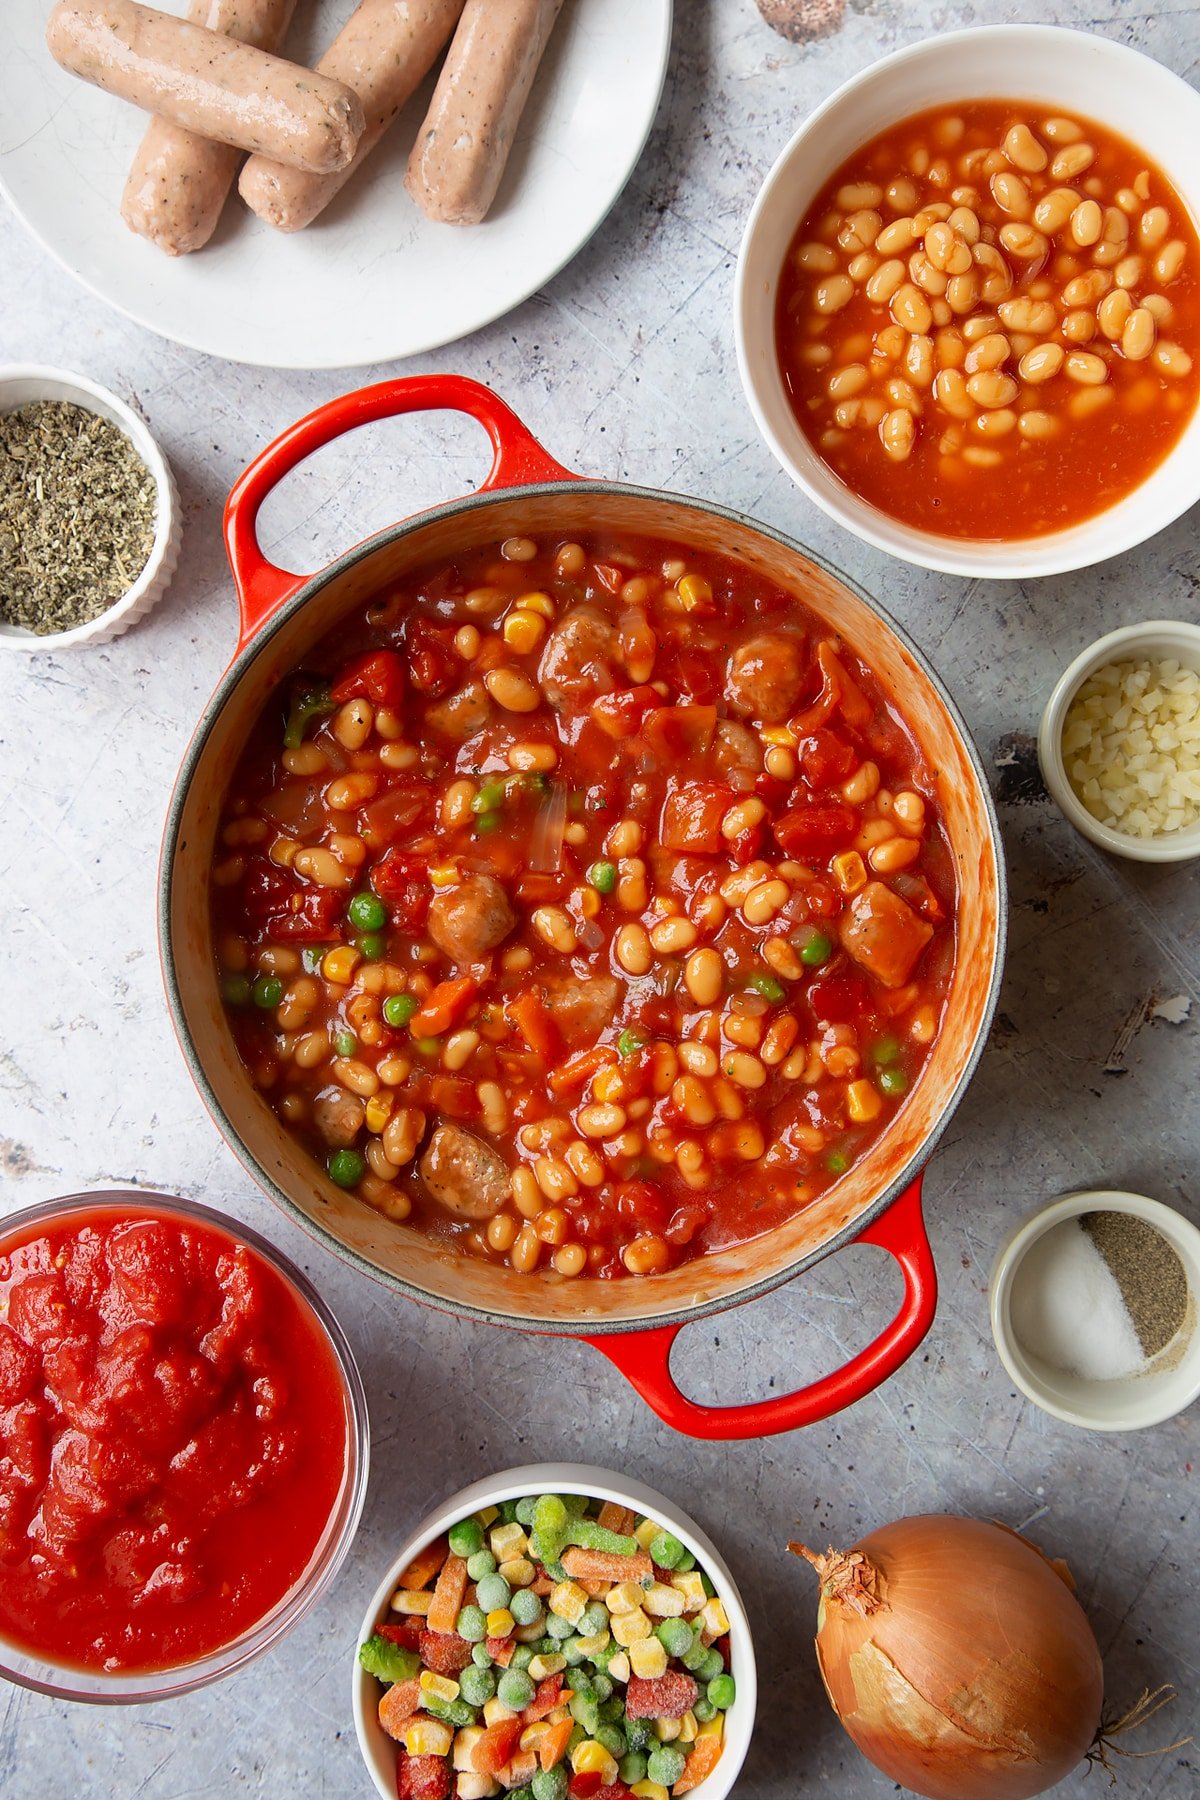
(712,1666)
(693,1659)
(709,1589)
(476,1685)
(612,1739)
(525,1607)
(703,1710)
(602,1686)
(675,1636)
(508,1512)
(612,1711)
(466,1537)
(515,1689)
(472,1624)
(666,1550)
(576,1504)
(665,1765)
(632,1767)
(549,1784)
(521,1793)
(525,1508)
(481,1656)
(559,1628)
(572,1649)
(578,1734)
(686,1563)
(493,1592)
(547,1646)
(593,1621)
(722,1691)
(481,1564)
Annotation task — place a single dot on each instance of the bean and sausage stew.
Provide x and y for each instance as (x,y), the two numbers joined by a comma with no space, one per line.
(586,904)
(988,320)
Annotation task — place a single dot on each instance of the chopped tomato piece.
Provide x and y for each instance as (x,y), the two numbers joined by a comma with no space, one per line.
(681,731)
(839,999)
(825,758)
(624,713)
(314,917)
(394,811)
(378,677)
(402,879)
(816,829)
(407,1636)
(697,677)
(265,888)
(432,661)
(691,816)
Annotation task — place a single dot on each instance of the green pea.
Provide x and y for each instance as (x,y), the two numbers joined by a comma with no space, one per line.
(471,1624)
(398,1009)
(837,1162)
(550,1784)
(665,1549)
(508,1512)
(722,1691)
(630,1042)
(466,1537)
(429,1046)
(886,1050)
(703,1710)
(639,1734)
(594,1620)
(893,1081)
(235,990)
(525,1607)
(345,1043)
(346,1167)
(490,796)
(486,822)
(767,986)
(366,912)
(267,991)
(632,1767)
(515,1689)
(476,1685)
(481,1564)
(312,956)
(522,1656)
(526,1507)
(686,1563)
(481,1656)
(665,1765)
(818,950)
(372,946)
(603,877)
(712,1667)
(493,1592)
(675,1636)
(612,1739)
(559,1628)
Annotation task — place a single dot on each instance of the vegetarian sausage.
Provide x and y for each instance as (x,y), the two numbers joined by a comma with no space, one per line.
(467,921)
(459,158)
(577,662)
(581,1009)
(464,1174)
(883,934)
(383,51)
(179,182)
(766,677)
(462,714)
(209,83)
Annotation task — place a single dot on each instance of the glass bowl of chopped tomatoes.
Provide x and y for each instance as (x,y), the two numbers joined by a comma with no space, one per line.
(185,1446)
(670,1607)
(471,890)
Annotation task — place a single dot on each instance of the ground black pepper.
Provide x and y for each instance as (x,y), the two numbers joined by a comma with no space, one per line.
(77,515)
(1151,1278)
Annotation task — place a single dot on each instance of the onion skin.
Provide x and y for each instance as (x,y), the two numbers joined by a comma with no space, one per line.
(957,1659)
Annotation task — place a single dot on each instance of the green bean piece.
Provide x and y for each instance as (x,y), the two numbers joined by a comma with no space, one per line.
(630,1042)
(493,1592)
(366,911)
(665,1765)
(235,990)
(466,1537)
(491,796)
(346,1168)
(818,950)
(665,1549)
(603,877)
(390,1662)
(525,1607)
(476,1685)
(481,1564)
(555,1571)
(706,1582)
(267,991)
(632,1767)
(590,1536)
(893,1081)
(675,1636)
(345,1043)
(578,1504)
(549,1521)
(398,1009)
(471,1623)
(722,1691)
(452,1712)
(515,1689)
(767,986)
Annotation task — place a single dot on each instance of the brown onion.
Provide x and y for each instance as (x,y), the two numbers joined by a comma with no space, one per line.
(957,1658)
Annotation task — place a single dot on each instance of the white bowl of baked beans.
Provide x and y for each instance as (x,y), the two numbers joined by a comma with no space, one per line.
(1119,742)
(967,303)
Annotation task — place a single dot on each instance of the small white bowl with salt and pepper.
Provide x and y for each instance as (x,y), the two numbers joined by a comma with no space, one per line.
(1119,742)
(110,503)
(1095,1310)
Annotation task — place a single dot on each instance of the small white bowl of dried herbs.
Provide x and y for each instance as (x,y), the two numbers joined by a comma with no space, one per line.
(89,513)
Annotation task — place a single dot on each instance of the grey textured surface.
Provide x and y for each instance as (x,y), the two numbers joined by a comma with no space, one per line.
(625,367)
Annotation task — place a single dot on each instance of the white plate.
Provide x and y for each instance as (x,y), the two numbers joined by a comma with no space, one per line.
(372,279)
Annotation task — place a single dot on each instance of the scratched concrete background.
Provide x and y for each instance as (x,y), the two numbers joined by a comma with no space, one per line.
(625,367)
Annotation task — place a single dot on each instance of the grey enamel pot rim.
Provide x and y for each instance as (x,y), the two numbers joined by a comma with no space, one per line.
(406,1261)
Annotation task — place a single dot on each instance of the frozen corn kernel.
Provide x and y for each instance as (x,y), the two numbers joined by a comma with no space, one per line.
(411,1601)
(624,1597)
(543,1666)
(518,1572)
(650,1790)
(663,1601)
(714,1618)
(592,1646)
(428,1737)
(487,1515)
(619,1666)
(666,1730)
(648,1658)
(568,1601)
(629,1628)
(688,1728)
(500,1622)
(464,1745)
(691,1586)
(712,1727)
(591,1758)
(508,1542)
(647,1531)
(495,1712)
(440,1686)
(532,1735)
(470,1785)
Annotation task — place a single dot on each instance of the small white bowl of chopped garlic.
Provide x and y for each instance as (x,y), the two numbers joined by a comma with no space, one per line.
(90,512)
(1119,743)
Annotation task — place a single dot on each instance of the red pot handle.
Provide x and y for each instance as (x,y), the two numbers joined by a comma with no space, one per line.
(644,1357)
(517,458)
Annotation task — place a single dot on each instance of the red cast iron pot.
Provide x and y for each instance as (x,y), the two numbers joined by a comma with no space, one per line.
(634,1322)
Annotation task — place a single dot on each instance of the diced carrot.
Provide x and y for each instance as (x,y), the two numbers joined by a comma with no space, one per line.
(594,1589)
(491,1751)
(425,1564)
(532,1020)
(552,1746)
(448,1595)
(546,1698)
(444,1006)
(398,1706)
(518,1770)
(543,1586)
(618,1518)
(501,1650)
(581,1068)
(601,1565)
(703,1758)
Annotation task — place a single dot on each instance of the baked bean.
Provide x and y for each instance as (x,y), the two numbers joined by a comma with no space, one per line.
(305,759)
(981,458)
(399,756)
(891,342)
(1041,363)
(918,360)
(632,949)
(1072,161)
(512,689)
(1114,238)
(883,284)
(910,309)
(816,259)
(518,549)
(1037,425)
(898,434)
(1023,150)
(859,230)
(526,1251)
(1011,194)
(1054,209)
(1079,327)
(704,976)
(996,281)
(1112,313)
(1086,223)
(857,194)
(554,926)
(1172,359)
(1128,271)
(949,350)
(950,390)
(1060,130)
(646,1255)
(902,195)
(831,294)
(352,724)
(996,424)
(862,266)
(1085,290)
(1025,242)
(965,223)
(1090,400)
(1153,227)
(901,393)
(897,237)
(673,936)
(1170,260)
(350,791)
(1138,335)
(322,867)
(1085,367)
(991,389)
(922,273)
(987,352)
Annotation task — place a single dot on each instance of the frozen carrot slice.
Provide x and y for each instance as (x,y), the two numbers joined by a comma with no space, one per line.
(703,1758)
(553,1746)
(448,1595)
(425,1564)
(398,1705)
(618,1518)
(601,1565)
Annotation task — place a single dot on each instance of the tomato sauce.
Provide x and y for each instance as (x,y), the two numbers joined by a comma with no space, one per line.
(173,1439)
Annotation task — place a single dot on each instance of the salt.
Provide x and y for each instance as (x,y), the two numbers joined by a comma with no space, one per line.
(1067,1308)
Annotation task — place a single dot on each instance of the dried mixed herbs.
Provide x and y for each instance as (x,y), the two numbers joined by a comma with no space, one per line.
(77,513)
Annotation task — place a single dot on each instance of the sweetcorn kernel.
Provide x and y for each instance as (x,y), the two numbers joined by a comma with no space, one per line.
(692,1588)
(590,1757)
(662,1601)
(440,1686)
(427,1737)
(411,1601)
(507,1542)
(569,1601)
(625,1597)
(648,1658)
(500,1622)
(627,1628)
(715,1618)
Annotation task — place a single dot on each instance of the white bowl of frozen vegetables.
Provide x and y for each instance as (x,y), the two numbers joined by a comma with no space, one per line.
(547,1626)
